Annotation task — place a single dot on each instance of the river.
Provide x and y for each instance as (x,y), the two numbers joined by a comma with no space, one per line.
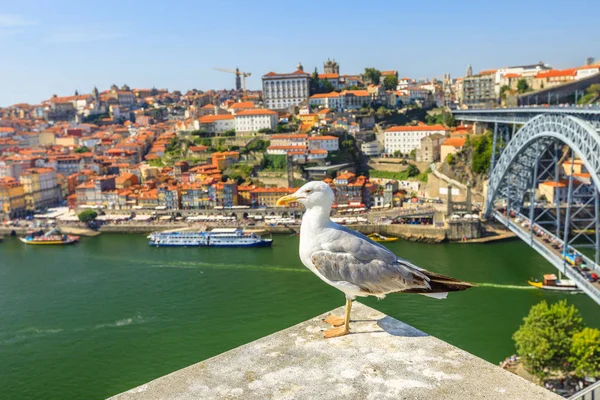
(110,313)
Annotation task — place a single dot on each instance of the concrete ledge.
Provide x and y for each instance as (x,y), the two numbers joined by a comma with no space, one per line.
(382,359)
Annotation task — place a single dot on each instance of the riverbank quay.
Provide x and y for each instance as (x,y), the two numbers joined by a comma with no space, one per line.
(414,233)
(382,358)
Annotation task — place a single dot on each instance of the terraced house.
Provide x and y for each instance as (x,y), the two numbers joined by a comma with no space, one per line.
(12,197)
(41,188)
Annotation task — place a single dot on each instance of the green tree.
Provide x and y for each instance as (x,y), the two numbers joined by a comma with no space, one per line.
(544,340)
(381,111)
(258,145)
(87,215)
(228,133)
(412,170)
(372,75)
(200,133)
(314,82)
(82,149)
(482,153)
(503,91)
(325,86)
(592,94)
(585,353)
(390,82)
(522,86)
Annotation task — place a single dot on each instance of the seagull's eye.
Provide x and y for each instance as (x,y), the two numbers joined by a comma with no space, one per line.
(308,190)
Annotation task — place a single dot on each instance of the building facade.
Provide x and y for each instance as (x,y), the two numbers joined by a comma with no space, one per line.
(408,138)
(12,197)
(479,90)
(249,121)
(41,188)
(285,90)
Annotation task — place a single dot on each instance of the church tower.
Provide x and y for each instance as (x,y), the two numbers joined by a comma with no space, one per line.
(469,70)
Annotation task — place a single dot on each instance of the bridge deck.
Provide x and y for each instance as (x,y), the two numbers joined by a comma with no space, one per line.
(554,256)
(522,115)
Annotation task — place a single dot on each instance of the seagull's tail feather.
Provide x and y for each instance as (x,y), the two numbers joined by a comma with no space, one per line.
(440,284)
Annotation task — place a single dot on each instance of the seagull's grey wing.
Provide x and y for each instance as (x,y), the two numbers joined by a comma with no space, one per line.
(343,240)
(350,256)
(375,276)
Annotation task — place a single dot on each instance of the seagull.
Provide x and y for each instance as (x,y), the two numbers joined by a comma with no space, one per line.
(353,263)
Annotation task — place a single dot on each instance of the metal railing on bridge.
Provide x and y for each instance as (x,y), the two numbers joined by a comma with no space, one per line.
(555,258)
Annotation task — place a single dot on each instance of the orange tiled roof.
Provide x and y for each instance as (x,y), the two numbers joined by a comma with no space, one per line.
(208,119)
(329,76)
(243,104)
(455,142)
(555,73)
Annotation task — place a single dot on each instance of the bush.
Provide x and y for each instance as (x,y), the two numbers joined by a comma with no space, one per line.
(449,158)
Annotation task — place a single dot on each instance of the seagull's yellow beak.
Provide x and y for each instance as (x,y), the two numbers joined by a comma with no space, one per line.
(285,200)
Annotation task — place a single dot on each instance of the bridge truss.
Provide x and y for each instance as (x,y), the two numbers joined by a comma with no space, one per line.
(545,150)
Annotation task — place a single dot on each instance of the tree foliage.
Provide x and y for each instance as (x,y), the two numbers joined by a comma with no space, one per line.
(443,118)
(482,153)
(585,353)
(258,145)
(82,149)
(326,86)
(412,170)
(544,340)
(372,75)
(390,82)
(523,86)
(503,91)
(87,215)
(274,162)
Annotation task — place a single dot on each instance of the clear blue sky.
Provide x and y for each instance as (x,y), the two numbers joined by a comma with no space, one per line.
(58,46)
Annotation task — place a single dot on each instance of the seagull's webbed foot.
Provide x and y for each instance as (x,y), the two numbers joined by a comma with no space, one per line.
(334,320)
(336,332)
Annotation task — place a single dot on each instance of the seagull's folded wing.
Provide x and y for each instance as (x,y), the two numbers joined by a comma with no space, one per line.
(374,276)
(350,256)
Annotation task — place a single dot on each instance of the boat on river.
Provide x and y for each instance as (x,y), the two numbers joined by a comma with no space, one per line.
(551,282)
(226,237)
(52,237)
(376,237)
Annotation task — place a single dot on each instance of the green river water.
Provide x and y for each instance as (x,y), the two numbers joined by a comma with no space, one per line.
(110,313)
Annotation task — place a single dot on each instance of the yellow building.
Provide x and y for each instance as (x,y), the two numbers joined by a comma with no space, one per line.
(41,187)
(262,197)
(225,159)
(311,119)
(12,197)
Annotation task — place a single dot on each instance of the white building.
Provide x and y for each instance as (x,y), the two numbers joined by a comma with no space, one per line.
(217,123)
(247,121)
(408,138)
(371,149)
(289,139)
(285,90)
(347,99)
(329,143)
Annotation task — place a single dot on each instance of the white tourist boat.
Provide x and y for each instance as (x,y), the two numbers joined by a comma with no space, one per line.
(225,237)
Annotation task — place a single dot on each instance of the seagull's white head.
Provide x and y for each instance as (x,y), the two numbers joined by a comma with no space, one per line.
(312,194)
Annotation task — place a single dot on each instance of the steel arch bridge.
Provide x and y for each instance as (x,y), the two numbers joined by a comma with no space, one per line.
(546,150)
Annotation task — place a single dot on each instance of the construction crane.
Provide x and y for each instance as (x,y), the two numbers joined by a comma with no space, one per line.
(240,77)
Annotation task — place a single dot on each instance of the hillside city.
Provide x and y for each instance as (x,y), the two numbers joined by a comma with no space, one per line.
(372,135)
